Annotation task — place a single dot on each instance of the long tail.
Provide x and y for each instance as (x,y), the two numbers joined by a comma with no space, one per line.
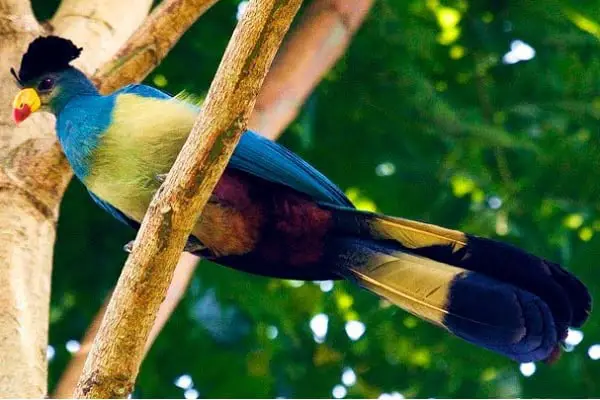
(486,292)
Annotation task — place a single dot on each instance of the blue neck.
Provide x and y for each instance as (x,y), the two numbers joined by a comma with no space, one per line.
(72,83)
(80,124)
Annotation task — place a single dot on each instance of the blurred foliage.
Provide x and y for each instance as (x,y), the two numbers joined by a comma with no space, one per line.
(437,112)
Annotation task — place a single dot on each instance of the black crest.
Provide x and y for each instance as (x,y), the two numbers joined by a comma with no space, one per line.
(46,54)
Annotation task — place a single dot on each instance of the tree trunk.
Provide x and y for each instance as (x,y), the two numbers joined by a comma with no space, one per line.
(33,177)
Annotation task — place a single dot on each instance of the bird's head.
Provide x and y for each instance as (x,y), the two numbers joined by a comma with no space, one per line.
(45,76)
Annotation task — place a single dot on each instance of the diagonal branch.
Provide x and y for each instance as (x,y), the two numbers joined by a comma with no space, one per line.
(151,43)
(180,200)
(143,51)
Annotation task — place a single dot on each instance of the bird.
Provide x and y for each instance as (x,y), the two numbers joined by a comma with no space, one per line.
(273,214)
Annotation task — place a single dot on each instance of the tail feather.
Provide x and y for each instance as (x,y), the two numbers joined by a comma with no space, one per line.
(472,306)
(486,292)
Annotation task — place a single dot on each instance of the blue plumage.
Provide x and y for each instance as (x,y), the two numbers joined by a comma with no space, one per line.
(523,331)
(267,160)
(142,90)
(79,126)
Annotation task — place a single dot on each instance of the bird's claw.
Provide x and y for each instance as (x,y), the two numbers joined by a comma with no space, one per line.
(161,177)
(193,245)
(129,246)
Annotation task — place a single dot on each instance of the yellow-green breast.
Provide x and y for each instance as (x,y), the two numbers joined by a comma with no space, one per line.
(142,141)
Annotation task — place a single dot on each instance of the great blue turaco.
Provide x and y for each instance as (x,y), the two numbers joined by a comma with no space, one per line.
(275,215)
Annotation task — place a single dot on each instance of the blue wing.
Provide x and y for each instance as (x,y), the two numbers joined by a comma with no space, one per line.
(144,91)
(270,161)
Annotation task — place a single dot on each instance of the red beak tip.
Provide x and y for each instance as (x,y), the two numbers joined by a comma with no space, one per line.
(21,114)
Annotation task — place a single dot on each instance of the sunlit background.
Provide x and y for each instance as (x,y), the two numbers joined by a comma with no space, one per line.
(476,115)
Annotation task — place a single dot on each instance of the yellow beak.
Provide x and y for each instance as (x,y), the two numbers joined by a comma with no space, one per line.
(26,102)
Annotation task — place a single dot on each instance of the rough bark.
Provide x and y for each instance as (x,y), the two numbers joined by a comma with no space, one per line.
(33,176)
(180,200)
(151,43)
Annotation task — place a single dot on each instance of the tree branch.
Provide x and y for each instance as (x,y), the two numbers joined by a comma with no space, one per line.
(313,48)
(178,203)
(150,44)
(68,380)
(143,51)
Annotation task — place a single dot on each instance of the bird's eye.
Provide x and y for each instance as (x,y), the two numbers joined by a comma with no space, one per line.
(46,84)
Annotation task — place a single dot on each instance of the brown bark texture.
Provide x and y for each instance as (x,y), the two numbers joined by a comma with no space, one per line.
(180,200)
(33,177)
(303,68)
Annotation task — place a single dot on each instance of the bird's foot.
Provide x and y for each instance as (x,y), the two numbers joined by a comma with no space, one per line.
(161,178)
(193,245)
(129,246)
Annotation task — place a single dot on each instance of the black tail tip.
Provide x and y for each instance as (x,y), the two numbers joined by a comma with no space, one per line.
(502,318)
